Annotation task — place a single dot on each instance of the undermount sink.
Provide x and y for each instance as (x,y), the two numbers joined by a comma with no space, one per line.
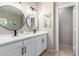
(19,35)
(10,37)
(22,35)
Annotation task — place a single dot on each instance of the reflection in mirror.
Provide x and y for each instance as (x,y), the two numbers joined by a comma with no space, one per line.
(32,22)
(3,21)
(46,21)
(11,18)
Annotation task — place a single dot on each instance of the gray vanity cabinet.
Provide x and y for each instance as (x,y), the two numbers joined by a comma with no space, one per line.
(12,49)
(33,46)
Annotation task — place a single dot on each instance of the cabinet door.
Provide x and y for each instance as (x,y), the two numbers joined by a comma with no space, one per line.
(15,52)
(41,43)
(12,49)
(44,42)
(30,47)
(38,45)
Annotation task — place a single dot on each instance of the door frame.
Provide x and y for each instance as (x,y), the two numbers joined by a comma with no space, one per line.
(76,28)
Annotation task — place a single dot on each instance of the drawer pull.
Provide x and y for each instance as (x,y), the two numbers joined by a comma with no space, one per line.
(22,51)
(42,40)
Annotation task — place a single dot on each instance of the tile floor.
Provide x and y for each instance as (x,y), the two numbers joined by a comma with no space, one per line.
(65,51)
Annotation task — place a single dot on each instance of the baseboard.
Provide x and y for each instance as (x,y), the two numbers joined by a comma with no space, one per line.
(66,45)
(50,50)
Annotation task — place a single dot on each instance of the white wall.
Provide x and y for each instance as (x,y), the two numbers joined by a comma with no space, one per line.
(25,8)
(78,31)
(47,8)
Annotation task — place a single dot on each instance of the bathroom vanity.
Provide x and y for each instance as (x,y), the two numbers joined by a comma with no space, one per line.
(23,44)
(20,44)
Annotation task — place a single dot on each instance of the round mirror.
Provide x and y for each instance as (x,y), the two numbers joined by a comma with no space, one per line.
(32,21)
(11,17)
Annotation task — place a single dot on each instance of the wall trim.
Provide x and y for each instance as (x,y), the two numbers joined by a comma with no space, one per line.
(66,45)
(51,50)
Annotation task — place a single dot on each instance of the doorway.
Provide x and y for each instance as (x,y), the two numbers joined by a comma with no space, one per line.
(66,30)
(65,22)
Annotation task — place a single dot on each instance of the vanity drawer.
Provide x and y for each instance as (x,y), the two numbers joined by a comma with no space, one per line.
(11,46)
(29,40)
(44,36)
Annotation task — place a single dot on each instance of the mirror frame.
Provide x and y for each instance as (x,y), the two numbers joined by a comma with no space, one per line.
(27,23)
(20,11)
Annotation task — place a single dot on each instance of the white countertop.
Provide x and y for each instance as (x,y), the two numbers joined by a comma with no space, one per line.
(10,38)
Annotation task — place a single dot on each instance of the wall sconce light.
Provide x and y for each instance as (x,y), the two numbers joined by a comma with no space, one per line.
(33,9)
(19,2)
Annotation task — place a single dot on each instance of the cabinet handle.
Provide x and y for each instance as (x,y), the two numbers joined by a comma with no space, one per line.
(25,49)
(42,40)
(22,51)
